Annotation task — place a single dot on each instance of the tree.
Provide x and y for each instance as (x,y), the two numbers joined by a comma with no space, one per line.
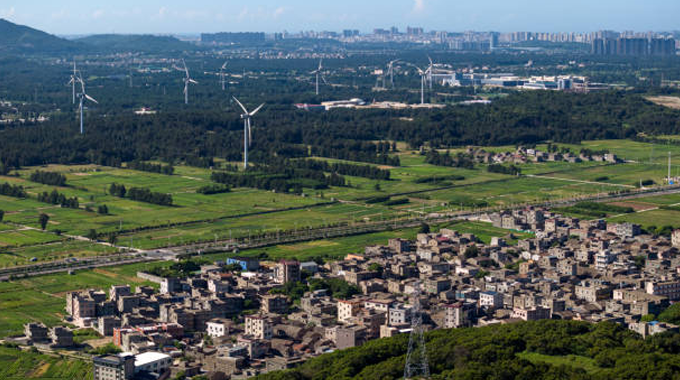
(648,318)
(2,215)
(112,239)
(43,219)
(92,234)
(471,251)
(424,228)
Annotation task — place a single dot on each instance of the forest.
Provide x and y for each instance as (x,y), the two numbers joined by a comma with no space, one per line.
(189,136)
(548,349)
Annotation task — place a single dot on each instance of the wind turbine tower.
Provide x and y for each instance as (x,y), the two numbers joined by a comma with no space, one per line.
(423,76)
(318,73)
(247,129)
(83,96)
(187,81)
(224,66)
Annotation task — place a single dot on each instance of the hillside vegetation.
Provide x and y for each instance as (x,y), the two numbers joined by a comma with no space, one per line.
(531,350)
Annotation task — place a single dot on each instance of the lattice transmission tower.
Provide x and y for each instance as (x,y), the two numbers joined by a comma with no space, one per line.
(416,358)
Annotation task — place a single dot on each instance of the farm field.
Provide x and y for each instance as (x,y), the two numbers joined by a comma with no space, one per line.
(52,251)
(244,211)
(16,364)
(42,298)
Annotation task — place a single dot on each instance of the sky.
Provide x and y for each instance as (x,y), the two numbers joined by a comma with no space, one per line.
(76,17)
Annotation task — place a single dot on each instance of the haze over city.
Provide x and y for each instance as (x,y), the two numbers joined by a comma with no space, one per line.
(74,17)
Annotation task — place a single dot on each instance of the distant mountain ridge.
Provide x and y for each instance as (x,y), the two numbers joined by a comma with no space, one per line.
(136,42)
(23,39)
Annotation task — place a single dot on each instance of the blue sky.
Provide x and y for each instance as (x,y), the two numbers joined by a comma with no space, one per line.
(173,16)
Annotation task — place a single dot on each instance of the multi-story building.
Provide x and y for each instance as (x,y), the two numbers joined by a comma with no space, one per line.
(217,327)
(287,271)
(274,304)
(152,362)
(490,299)
(533,314)
(114,367)
(675,238)
(348,309)
(258,326)
(667,288)
(460,314)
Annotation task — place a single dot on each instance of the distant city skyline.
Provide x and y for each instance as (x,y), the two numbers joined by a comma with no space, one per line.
(72,17)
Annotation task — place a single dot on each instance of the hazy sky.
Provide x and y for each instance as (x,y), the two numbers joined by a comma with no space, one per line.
(173,16)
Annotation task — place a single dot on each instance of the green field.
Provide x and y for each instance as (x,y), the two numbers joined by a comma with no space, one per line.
(16,364)
(246,212)
(42,298)
(581,362)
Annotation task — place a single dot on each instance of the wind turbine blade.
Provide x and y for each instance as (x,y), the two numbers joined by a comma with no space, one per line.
(192,81)
(186,70)
(240,105)
(225,65)
(88,97)
(320,64)
(323,78)
(256,110)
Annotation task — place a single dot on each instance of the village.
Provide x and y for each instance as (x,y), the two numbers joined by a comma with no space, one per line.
(240,317)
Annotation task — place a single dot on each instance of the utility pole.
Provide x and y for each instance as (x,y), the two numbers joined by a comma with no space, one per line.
(669,168)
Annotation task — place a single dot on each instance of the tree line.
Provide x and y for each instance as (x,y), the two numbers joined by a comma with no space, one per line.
(15,191)
(56,198)
(150,167)
(460,160)
(140,194)
(365,171)
(48,178)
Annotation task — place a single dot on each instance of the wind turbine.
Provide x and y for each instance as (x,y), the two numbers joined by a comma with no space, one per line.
(390,72)
(224,66)
(74,79)
(423,75)
(318,73)
(187,81)
(83,96)
(247,132)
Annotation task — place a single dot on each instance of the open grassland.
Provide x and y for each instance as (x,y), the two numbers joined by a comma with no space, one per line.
(17,364)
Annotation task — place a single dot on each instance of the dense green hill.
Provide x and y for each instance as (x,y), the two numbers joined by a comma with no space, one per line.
(533,350)
(22,39)
(136,42)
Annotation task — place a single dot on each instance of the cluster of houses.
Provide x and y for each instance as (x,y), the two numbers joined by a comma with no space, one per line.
(525,155)
(236,324)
